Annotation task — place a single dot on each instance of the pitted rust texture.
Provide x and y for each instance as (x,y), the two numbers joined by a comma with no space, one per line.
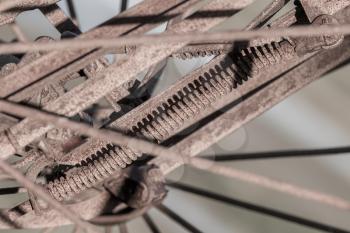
(170,115)
(41,79)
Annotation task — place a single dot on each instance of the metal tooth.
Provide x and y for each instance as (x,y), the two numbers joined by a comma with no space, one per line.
(199,53)
(207,94)
(203,98)
(180,112)
(116,158)
(66,187)
(159,124)
(247,64)
(154,132)
(213,92)
(185,110)
(60,188)
(261,56)
(124,157)
(109,169)
(168,116)
(191,105)
(196,101)
(99,168)
(277,48)
(166,122)
(77,183)
(223,83)
(131,154)
(94,174)
(268,56)
(174,115)
(146,134)
(217,87)
(272,51)
(255,58)
(83,177)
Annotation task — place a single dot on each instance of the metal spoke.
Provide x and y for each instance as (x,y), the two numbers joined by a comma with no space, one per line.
(280,154)
(258,209)
(123,5)
(178,219)
(72,11)
(151,224)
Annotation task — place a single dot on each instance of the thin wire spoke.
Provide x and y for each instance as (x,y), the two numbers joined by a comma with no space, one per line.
(123,5)
(259,209)
(151,224)
(280,154)
(77,43)
(157,150)
(178,219)
(72,11)
(40,192)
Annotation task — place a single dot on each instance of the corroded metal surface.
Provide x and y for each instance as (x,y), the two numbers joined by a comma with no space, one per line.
(106,182)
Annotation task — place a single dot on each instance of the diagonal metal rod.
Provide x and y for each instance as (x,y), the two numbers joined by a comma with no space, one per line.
(178,219)
(40,192)
(280,154)
(123,5)
(266,14)
(155,149)
(150,223)
(259,209)
(235,35)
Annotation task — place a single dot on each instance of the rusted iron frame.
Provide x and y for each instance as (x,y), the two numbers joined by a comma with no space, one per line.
(70,68)
(56,16)
(182,157)
(137,114)
(54,61)
(59,19)
(208,133)
(266,14)
(42,62)
(92,90)
(258,103)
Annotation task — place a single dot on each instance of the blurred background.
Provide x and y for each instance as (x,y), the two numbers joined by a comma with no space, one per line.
(316,117)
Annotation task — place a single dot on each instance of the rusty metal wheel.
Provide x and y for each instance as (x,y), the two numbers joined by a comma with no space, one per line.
(95,119)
